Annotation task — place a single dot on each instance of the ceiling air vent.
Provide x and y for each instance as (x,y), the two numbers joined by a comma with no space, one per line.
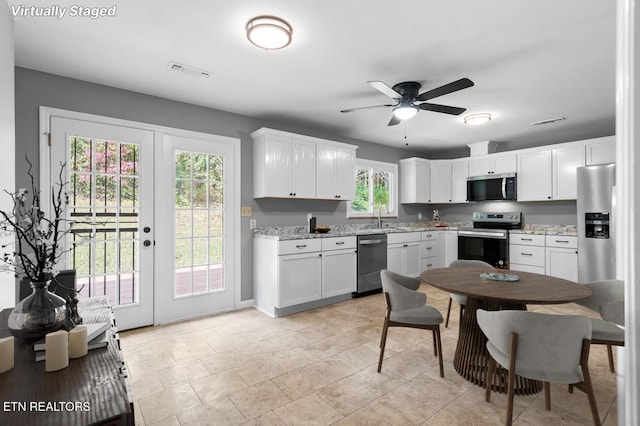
(185,69)
(548,121)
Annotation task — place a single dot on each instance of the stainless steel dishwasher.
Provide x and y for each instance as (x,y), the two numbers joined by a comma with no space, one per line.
(372,258)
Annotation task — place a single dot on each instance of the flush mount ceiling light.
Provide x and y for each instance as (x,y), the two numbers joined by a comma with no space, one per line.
(475,119)
(405,111)
(269,32)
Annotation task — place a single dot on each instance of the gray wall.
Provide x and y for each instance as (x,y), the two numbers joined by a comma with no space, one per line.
(542,212)
(34,89)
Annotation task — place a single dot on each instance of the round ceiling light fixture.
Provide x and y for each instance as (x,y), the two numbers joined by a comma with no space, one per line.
(405,111)
(269,32)
(479,118)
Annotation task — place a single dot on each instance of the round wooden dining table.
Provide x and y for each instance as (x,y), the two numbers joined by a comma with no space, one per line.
(471,357)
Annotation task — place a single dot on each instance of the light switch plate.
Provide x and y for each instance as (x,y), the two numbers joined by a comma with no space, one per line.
(252,224)
(246,211)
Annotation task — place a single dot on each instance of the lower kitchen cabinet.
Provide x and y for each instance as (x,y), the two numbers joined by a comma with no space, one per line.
(562,257)
(431,250)
(553,255)
(527,253)
(403,253)
(293,275)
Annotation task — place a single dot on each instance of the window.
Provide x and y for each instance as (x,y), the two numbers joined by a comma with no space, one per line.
(376,188)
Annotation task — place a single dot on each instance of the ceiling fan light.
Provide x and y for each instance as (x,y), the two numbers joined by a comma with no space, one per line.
(269,32)
(479,118)
(405,112)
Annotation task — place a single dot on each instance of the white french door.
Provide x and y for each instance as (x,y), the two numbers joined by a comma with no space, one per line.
(109,170)
(196,218)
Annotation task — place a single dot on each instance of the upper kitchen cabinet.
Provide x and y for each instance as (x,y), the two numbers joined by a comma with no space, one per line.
(601,150)
(441,181)
(534,176)
(335,171)
(287,165)
(415,175)
(492,164)
(566,160)
(459,175)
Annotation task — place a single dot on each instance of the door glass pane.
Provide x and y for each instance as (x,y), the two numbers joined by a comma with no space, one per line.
(198,218)
(103,201)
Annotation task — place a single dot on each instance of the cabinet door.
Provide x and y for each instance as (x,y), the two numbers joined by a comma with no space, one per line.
(480,167)
(450,247)
(411,259)
(562,263)
(504,164)
(423,178)
(565,163)
(601,150)
(345,173)
(459,174)
(395,258)
(299,278)
(339,272)
(440,182)
(534,176)
(277,166)
(303,168)
(326,172)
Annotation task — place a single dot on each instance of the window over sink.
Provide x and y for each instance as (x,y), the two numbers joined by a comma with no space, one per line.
(376,188)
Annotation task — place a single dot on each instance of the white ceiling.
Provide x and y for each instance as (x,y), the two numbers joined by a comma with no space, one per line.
(530,60)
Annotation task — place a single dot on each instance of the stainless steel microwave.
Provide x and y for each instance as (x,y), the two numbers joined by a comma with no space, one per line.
(493,187)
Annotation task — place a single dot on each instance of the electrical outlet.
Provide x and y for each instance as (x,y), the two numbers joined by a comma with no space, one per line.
(309,216)
(252,224)
(419,216)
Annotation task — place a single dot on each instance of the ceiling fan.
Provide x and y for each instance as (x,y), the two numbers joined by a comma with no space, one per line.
(409,101)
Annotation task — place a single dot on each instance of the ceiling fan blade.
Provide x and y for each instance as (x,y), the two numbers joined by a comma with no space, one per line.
(394,120)
(463,83)
(382,87)
(367,107)
(442,108)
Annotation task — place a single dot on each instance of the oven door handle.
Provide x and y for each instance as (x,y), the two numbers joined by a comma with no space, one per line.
(480,234)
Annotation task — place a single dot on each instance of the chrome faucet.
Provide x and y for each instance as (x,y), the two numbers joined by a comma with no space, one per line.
(380,215)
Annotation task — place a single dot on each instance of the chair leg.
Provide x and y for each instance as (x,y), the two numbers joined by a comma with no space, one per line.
(586,381)
(489,380)
(612,368)
(512,377)
(547,396)
(461,315)
(570,388)
(440,351)
(383,341)
(435,343)
(446,323)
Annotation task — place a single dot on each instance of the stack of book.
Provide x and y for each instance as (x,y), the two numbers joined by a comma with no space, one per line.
(97,337)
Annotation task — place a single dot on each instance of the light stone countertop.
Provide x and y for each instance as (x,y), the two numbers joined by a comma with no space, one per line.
(540,229)
(302,232)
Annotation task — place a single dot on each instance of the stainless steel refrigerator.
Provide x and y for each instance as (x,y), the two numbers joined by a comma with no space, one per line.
(595,204)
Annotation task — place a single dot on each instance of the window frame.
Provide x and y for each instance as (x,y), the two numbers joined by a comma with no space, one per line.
(392,169)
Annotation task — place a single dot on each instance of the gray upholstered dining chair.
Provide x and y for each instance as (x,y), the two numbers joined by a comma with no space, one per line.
(607,298)
(407,307)
(462,300)
(537,346)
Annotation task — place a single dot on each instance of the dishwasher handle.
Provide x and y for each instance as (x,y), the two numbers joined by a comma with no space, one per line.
(371,242)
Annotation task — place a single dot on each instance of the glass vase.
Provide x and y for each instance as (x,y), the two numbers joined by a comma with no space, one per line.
(37,314)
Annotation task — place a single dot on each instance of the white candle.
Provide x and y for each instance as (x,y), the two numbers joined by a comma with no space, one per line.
(57,350)
(6,354)
(78,341)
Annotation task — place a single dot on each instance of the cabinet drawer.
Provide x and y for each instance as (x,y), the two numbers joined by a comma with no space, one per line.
(562,241)
(337,243)
(527,255)
(526,239)
(299,246)
(403,237)
(528,268)
(429,248)
(430,235)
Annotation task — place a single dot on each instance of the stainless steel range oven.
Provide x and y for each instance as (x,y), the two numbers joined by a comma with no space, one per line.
(488,240)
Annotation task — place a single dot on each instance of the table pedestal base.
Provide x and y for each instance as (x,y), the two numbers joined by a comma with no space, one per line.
(472,358)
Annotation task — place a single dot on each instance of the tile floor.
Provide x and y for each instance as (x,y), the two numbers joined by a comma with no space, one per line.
(319,368)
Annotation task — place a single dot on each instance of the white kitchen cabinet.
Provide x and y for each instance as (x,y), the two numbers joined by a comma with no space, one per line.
(431,250)
(534,176)
(527,253)
(492,164)
(600,150)
(335,172)
(339,266)
(300,278)
(566,160)
(403,253)
(562,257)
(440,181)
(415,176)
(450,247)
(284,165)
(459,175)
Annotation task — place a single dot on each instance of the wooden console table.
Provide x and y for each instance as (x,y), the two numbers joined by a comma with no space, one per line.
(93,390)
